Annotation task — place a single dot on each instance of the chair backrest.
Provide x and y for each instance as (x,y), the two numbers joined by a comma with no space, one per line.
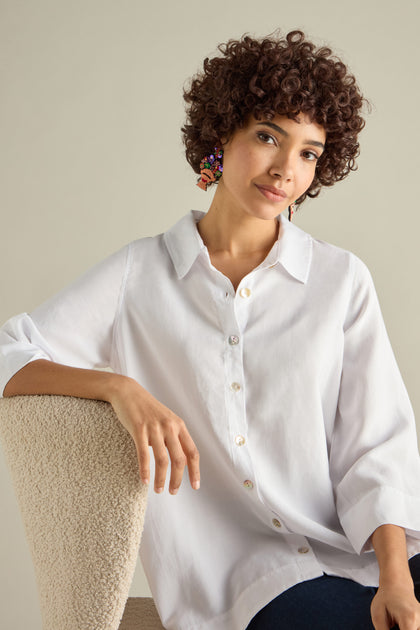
(75,473)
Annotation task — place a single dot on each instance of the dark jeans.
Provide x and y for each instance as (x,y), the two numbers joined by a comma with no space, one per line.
(325,603)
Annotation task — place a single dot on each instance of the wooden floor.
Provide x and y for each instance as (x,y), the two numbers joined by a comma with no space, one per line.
(140,614)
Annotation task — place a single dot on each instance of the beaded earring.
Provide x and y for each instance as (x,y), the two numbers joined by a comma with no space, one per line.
(211,168)
(292,209)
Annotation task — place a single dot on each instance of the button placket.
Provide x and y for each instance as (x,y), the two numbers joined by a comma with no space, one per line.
(244,298)
(242,303)
(233,324)
(234,382)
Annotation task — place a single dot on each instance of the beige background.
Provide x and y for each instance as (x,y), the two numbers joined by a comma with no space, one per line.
(91,158)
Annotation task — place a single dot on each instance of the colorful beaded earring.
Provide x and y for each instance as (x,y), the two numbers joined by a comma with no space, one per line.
(211,168)
(292,209)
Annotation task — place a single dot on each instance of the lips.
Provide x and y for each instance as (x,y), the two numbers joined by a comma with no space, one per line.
(271,192)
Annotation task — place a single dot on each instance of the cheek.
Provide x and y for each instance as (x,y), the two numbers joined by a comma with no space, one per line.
(306,179)
(237,167)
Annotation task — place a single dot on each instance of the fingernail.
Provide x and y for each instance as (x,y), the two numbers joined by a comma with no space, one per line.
(196,485)
(146,481)
(159,490)
(173,490)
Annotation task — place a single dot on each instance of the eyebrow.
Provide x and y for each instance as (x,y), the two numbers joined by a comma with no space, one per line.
(284,133)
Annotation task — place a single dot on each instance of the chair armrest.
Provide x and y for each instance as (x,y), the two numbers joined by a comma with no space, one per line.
(75,473)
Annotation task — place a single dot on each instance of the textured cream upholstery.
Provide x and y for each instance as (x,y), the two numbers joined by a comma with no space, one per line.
(75,474)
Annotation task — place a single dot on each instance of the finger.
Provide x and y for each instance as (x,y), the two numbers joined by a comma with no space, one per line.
(143,456)
(409,622)
(380,624)
(161,462)
(380,618)
(178,462)
(193,458)
(405,624)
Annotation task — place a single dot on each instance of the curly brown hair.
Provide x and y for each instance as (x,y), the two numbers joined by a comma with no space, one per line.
(270,76)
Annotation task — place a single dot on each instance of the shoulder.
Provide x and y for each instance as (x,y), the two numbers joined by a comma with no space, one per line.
(333,270)
(336,270)
(339,262)
(325,261)
(147,254)
(145,245)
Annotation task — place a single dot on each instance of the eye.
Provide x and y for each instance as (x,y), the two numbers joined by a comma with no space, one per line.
(310,155)
(265,137)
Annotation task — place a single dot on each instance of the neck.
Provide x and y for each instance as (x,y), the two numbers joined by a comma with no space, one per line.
(235,233)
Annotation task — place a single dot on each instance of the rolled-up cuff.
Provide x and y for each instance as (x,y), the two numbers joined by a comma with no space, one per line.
(379,507)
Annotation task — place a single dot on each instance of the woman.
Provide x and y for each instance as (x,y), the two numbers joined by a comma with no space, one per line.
(256,356)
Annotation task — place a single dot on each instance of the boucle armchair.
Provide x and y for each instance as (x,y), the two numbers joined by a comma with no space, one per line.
(75,474)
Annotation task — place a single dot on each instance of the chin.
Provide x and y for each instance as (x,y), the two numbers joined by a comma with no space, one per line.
(268,213)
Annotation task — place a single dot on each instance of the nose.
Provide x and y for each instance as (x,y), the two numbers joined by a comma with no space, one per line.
(282,166)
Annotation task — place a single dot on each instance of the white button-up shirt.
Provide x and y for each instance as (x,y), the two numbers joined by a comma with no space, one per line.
(288,387)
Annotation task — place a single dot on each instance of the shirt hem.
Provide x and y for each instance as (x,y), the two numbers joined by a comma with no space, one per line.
(254,598)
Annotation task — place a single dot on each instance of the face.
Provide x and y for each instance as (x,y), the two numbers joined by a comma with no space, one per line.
(268,164)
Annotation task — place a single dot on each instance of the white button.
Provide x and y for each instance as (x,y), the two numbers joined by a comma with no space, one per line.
(235,387)
(276,523)
(240,440)
(248,484)
(234,340)
(245,292)
(303,549)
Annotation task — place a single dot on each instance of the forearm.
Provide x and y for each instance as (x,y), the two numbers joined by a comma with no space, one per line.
(389,543)
(147,420)
(46,377)
(395,603)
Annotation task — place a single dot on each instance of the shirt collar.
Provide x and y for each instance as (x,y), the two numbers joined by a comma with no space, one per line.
(184,242)
(293,249)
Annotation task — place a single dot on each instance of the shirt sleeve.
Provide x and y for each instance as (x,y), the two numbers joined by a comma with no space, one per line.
(374,460)
(74,327)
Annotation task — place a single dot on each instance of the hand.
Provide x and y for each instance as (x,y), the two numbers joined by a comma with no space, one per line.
(150,423)
(395,604)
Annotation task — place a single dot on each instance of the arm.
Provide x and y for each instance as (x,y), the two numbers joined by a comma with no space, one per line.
(374,461)
(76,328)
(395,601)
(148,421)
